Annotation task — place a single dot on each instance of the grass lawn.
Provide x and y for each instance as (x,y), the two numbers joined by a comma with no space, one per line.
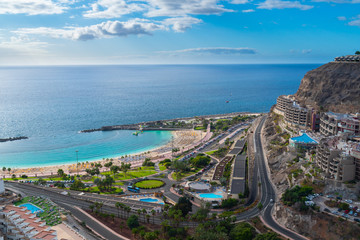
(149,184)
(162,167)
(185,174)
(136,173)
(95,189)
(211,152)
(200,128)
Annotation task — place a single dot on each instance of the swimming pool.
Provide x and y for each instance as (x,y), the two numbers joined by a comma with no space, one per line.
(149,200)
(210,195)
(31,207)
(304,138)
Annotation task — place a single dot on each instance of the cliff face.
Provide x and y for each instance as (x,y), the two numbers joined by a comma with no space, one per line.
(334,86)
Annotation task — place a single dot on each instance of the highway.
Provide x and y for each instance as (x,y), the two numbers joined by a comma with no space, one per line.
(267,189)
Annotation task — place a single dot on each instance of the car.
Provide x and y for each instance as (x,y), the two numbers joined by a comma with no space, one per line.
(339,209)
(356,220)
(355,214)
(326,210)
(271,200)
(348,201)
(347,211)
(351,212)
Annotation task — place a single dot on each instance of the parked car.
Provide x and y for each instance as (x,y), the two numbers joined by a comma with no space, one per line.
(356,220)
(347,211)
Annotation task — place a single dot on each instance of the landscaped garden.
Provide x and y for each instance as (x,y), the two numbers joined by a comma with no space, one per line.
(149,184)
(51,212)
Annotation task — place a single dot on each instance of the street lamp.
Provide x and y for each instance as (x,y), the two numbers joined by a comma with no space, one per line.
(77,162)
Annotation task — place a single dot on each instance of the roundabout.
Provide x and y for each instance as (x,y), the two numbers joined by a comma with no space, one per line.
(149,184)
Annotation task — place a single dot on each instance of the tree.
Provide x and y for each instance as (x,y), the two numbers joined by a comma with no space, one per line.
(60,172)
(125,167)
(114,169)
(9,169)
(151,236)
(242,231)
(267,236)
(153,214)
(229,203)
(118,206)
(184,205)
(77,185)
(92,207)
(147,218)
(133,222)
(108,165)
(357,52)
(4,169)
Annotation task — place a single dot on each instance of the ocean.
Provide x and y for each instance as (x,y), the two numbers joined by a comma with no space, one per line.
(51,105)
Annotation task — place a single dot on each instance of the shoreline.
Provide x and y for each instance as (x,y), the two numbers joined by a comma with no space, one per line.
(182,139)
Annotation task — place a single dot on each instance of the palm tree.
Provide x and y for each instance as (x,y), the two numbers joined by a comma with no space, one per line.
(118,206)
(153,214)
(91,207)
(144,212)
(139,212)
(128,210)
(147,218)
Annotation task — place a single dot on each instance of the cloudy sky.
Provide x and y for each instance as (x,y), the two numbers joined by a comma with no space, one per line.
(61,32)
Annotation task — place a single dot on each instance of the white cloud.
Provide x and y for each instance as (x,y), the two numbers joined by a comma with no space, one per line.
(157,8)
(113,9)
(248,10)
(180,24)
(215,51)
(338,1)
(355,22)
(22,45)
(341,18)
(278,4)
(32,7)
(184,7)
(239,1)
(306,51)
(103,30)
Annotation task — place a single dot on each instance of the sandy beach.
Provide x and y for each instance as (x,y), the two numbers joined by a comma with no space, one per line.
(182,140)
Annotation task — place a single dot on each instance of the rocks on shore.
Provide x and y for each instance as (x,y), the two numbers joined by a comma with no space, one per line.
(12,139)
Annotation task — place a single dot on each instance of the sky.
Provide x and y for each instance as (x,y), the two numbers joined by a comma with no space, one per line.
(79,32)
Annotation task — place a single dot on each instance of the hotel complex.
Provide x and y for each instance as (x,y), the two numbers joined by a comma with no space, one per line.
(19,223)
(338,151)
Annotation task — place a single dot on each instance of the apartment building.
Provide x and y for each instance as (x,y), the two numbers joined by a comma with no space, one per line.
(18,223)
(334,156)
(333,123)
(293,113)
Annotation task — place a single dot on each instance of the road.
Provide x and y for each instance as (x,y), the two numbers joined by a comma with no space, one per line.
(267,189)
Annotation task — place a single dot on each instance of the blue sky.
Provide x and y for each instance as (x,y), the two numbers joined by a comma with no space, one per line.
(61,32)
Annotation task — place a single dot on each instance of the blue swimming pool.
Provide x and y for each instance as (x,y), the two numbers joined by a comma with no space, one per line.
(210,195)
(149,200)
(304,138)
(31,207)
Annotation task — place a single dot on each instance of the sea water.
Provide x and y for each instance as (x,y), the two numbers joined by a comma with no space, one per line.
(50,105)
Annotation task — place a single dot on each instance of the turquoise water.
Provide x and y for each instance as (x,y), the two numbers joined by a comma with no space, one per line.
(210,195)
(51,105)
(31,207)
(149,200)
(90,146)
(304,138)
(152,200)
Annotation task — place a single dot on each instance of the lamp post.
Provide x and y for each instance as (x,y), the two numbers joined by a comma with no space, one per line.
(77,162)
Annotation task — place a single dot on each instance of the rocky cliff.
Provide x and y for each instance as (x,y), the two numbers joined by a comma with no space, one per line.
(334,86)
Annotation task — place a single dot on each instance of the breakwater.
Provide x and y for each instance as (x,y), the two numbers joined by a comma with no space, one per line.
(162,124)
(12,139)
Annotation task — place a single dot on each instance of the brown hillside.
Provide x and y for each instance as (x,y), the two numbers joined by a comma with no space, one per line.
(334,86)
